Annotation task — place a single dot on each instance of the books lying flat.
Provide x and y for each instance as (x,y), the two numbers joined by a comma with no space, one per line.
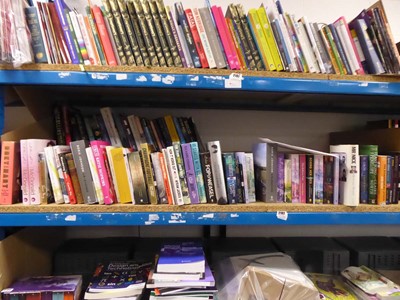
(181,258)
(68,285)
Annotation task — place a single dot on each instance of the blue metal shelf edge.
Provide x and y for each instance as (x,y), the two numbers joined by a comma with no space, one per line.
(199,218)
(199,81)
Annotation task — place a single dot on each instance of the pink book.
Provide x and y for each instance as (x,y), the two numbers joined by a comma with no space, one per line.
(224,35)
(34,147)
(99,149)
(302,177)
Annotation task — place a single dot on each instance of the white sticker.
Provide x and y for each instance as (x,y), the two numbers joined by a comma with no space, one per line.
(282,215)
(71,218)
(120,76)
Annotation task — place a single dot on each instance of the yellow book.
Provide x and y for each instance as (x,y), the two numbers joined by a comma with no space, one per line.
(169,121)
(269,35)
(261,41)
(123,180)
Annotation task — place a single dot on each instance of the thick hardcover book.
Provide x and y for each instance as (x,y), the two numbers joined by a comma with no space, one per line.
(349,179)
(190,173)
(162,35)
(214,147)
(318,179)
(173,172)
(148,172)
(372,152)
(183,22)
(104,36)
(364,162)
(138,179)
(153,33)
(229,164)
(170,34)
(205,160)
(309,178)
(122,23)
(10,168)
(159,179)
(145,30)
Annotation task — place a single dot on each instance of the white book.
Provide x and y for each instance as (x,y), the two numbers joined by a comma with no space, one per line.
(169,153)
(217,170)
(57,151)
(53,173)
(349,174)
(112,131)
(204,39)
(95,175)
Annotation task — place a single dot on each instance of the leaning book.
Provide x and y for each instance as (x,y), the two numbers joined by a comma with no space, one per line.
(70,286)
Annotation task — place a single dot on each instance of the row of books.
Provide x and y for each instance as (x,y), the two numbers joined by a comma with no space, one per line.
(149,33)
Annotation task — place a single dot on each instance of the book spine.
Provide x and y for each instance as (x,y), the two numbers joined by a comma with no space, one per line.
(96,37)
(147,37)
(67,179)
(229,165)
(205,160)
(318,179)
(74,177)
(309,178)
(161,189)
(138,179)
(170,34)
(162,35)
(169,153)
(302,177)
(214,147)
(364,160)
(38,46)
(183,22)
(190,173)
(98,150)
(328,179)
(148,172)
(295,167)
(10,167)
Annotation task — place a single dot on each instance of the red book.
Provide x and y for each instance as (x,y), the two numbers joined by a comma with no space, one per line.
(10,170)
(104,37)
(196,38)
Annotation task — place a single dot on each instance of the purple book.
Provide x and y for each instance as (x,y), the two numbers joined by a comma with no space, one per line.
(45,284)
(60,6)
(190,173)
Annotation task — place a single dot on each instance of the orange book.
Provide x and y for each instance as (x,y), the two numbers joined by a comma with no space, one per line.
(10,170)
(381,179)
(104,36)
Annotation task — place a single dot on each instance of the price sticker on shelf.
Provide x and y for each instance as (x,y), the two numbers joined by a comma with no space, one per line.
(234,81)
(282,215)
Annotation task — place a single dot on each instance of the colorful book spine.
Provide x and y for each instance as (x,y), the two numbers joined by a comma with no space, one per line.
(190,173)
(10,168)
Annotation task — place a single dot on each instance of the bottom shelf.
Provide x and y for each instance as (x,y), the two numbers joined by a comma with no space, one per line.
(208,214)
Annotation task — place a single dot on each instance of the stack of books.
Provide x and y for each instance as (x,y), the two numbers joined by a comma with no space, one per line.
(45,287)
(181,271)
(119,279)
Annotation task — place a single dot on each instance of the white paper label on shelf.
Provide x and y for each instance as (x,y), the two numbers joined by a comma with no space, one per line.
(234,81)
(121,76)
(282,215)
(71,218)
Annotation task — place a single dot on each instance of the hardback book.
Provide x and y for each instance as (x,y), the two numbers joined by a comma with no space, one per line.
(69,286)
(148,173)
(138,179)
(34,147)
(181,172)
(159,178)
(78,150)
(185,257)
(331,286)
(206,167)
(198,172)
(74,177)
(295,176)
(153,33)
(59,149)
(122,23)
(98,150)
(217,169)
(171,35)
(229,165)
(372,152)
(122,175)
(10,168)
(162,35)
(173,172)
(190,173)
(117,279)
(349,174)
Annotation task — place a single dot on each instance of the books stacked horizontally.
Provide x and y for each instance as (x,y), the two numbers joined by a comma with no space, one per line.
(45,287)
(181,271)
(119,279)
